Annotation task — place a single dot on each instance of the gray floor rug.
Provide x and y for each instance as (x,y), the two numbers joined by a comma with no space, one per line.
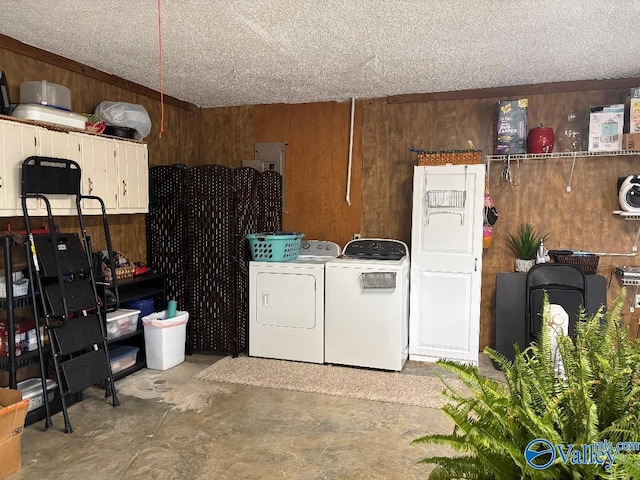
(394,387)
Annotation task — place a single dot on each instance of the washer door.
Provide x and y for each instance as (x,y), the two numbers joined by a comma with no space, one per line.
(286,300)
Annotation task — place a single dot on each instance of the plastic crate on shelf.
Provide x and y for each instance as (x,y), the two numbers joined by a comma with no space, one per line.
(274,246)
(121,322)
(20,288)
(122,357)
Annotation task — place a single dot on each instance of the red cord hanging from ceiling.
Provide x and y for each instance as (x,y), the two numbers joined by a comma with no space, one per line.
(161,81)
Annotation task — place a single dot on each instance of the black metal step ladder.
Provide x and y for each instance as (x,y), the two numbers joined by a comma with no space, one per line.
(62,270)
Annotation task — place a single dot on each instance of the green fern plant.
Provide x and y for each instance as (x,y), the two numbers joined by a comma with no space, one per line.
(596,399)
(526,241)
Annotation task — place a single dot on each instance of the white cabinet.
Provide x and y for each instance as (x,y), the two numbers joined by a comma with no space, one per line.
(55,144)
(97,157)
(446,263)
(17,142)
(114,170)
(133,178)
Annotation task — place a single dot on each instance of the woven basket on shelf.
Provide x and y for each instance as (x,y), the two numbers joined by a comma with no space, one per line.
(454,157)
(587,263)
(121,272)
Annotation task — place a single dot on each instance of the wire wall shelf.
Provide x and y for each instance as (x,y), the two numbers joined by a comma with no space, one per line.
(542,156)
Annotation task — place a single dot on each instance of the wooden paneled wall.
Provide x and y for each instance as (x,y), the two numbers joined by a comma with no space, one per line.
(581,219)
(179,143)
(317,155)
(317,137)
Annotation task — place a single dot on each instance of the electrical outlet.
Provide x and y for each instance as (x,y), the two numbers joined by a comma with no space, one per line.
(358,236)
(637,304)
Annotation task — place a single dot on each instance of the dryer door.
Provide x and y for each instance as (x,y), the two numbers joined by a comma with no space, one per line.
(286,300)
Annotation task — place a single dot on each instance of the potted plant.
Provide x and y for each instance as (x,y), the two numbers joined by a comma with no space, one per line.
(502,430)
(525,244)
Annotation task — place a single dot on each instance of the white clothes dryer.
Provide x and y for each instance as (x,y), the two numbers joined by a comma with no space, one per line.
(287,304)
(367,305)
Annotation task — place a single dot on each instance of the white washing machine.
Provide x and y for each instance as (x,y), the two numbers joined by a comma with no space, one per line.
(367,305)
(286,305)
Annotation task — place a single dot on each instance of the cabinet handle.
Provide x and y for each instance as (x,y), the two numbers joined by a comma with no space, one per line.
(90,187)
(124,184)
(265,299)
(0,182)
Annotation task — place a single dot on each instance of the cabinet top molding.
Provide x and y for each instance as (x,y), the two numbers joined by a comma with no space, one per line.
(61,128)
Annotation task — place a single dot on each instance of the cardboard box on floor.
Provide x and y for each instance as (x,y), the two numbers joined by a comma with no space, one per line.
(13,411)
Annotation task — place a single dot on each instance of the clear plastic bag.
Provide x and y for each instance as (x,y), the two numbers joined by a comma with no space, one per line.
(122,114)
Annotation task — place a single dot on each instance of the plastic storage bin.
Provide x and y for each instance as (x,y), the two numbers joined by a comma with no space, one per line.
(145,305)
(164,339)
(20,287)
(121,322)
(274,246)
(122,357)
(31,388)
(45,93)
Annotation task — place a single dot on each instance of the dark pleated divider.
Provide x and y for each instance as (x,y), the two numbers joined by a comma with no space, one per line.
(166,225)
(196,226)
(210,266)
(248,189)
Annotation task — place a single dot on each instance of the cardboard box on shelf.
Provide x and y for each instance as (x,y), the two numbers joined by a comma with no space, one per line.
(632,111)
(605,128)
(29,371)
(631,141)
(511,126)
(13,410)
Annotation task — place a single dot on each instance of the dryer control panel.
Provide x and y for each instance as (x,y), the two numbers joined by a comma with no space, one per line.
(318,248)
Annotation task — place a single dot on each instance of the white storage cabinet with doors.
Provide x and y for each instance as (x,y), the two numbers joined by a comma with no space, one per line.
(112,169)
(446,262)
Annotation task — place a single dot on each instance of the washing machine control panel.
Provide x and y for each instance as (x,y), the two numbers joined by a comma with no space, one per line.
(375,249)
(318,248)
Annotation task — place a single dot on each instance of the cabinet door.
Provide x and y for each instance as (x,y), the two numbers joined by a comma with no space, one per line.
(57,145)
(19,141)
(97,158)
(133,178)
(446,262)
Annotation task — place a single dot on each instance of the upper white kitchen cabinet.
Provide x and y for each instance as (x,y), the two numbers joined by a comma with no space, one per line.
(133,178)
(17,142)
(112,169)
(97,157)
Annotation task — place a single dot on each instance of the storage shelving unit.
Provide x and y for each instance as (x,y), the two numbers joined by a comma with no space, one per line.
(150,284)
(11,362)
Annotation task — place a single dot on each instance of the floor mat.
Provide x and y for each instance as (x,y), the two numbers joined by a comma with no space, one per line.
(394,387)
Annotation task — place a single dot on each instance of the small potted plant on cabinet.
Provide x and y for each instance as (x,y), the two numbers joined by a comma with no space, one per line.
(525,244)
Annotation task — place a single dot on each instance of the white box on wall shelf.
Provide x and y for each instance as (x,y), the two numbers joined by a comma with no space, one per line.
(605,128)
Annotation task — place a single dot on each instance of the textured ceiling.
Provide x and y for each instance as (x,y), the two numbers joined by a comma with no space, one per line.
(239,52)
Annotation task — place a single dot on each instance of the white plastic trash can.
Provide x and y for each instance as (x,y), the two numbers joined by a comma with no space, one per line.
(164,339)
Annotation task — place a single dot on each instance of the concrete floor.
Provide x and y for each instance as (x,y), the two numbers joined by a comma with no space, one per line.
(170,426)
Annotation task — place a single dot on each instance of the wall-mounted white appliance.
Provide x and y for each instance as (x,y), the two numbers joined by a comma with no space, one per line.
(629,193)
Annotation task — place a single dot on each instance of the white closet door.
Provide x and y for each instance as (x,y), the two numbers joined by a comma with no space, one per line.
(446,262)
